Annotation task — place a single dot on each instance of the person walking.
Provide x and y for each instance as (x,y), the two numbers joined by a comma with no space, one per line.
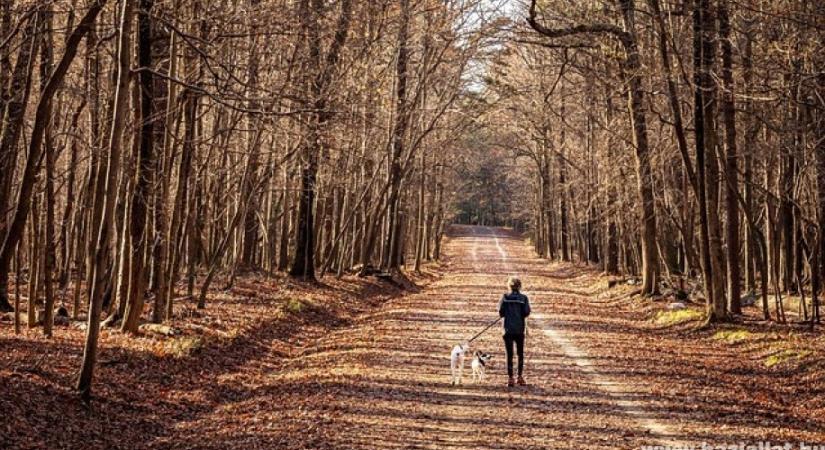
(514,307)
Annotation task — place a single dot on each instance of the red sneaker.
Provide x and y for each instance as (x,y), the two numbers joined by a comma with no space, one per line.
(521,381)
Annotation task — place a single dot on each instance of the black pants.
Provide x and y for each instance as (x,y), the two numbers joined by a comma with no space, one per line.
(518,339)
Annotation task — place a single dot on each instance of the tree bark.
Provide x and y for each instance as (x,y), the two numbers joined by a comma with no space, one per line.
(106,230)
(786,191)
(699,141)
(731,162)
(751,134)
(283,245)
(564,226)
(250,220)
(162,178)
(48,225)
(303,263)
(820,169)
(13,115)
(706,162)
(5,58)
(68,224)
(420,225)
(650,259)
(547,205)
(35,263)
(393,242)
(673,95)
(144,164)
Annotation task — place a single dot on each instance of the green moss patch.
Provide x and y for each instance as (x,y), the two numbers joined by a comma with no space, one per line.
(184,346)
(733,336)
(785,356)
(294,306)
(668,318)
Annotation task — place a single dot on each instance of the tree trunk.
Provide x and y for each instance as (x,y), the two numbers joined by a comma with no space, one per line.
(48,231)
(420,226)
(35,263)
(95,183)
(709,44)
(547,205)
(283,246)
(562,194)
(106,231)
(162,179)
(144,165)
(673,96)
(704,154)
(751,134)
(650,261)
(68,224)
(250,220)
(731,169)
(611,264)
(303,264)
(5,60)
(13,116)
(820,170)
(398,135)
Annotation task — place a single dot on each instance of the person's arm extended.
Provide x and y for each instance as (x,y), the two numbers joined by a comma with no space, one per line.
(501,307)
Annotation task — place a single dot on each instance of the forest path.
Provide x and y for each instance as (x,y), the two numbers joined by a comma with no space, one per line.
(599,375)
(385,383)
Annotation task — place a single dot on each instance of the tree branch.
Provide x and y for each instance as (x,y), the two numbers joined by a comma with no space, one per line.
(595,28)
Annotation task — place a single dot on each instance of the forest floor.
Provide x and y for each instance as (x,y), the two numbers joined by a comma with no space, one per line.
(358,364)
(166,391)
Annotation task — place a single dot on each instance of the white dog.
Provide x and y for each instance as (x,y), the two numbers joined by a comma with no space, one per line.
(479,362)
(457,361)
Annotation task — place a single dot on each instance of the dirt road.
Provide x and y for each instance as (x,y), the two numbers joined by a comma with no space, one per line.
(598,377)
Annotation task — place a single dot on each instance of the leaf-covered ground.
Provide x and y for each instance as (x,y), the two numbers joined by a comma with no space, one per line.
(153,391)
(355,365)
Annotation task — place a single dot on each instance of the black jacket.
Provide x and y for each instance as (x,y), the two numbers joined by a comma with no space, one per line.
(514,307)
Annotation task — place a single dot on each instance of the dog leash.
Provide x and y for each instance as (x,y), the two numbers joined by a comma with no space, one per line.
(485,329)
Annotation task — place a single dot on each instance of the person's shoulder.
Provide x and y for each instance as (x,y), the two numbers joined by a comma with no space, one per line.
(516,297)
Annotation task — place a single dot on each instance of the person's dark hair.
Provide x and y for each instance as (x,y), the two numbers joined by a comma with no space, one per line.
(514,283)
